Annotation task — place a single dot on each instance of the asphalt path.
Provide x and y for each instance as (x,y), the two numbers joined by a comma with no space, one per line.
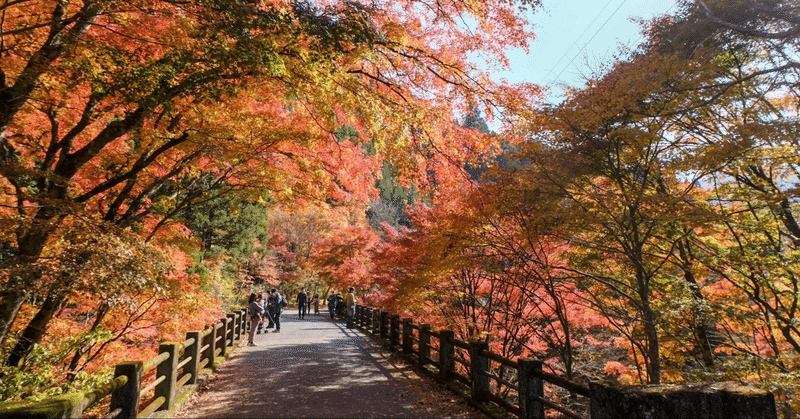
(317,368)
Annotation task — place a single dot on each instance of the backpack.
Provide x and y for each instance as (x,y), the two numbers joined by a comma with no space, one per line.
(283,302)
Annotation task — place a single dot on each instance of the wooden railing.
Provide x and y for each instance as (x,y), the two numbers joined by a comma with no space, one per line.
(168,377)
(517,387)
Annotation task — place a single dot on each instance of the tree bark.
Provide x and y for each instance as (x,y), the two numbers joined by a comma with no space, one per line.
(36,327)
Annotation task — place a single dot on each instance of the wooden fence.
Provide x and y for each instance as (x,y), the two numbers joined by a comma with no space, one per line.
(150,388)
(517,387)
(502,386)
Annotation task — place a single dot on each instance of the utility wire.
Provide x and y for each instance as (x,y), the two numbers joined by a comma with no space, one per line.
(566,51)
(587,43)
(595,34)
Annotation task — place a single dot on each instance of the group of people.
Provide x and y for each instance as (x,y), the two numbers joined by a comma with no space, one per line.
(349,305)
(258,308)
(304,303)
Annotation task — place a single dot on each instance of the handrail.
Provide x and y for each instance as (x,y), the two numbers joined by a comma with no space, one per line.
(105,390)
(478,364)
(149,365)
(562,382)
(153,385)
(178,367)
(501,359)
(461,344)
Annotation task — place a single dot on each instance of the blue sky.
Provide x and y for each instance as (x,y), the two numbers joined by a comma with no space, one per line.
(573,37)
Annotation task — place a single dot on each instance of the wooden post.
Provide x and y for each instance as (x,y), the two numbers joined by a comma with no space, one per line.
(408,343)
(211,338)
(127,397)
(394,331)
(168,369)
(221,335)
(193,351)
(363,319)
(478,365)
(237,325)
(424,343)
(447,355)
(376,321)
(230,336)
(530,387)
(243,320)
(384,325)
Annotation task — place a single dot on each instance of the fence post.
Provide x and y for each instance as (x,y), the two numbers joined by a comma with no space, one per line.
(408,343)
(193,351)
(447,354)
(221,335)
(424,343)
(376,320)
(479,364)
(530,387)
(127,397)
(167,368)
(237,325)
(243,323)
(231,329)
(394,332)
(211,353)
(384,325)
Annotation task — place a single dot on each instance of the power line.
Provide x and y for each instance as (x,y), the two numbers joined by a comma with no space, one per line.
(566,51)
(595,34)
(587,43)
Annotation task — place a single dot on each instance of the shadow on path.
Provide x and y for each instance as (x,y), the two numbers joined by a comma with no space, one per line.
(317,368)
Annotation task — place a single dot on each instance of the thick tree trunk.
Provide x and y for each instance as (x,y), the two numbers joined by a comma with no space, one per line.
(701,322)
(11,299)
(653,351)
(36,327)
(15,291)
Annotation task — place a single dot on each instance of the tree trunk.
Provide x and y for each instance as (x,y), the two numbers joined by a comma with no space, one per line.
(651,334)
(14,291)
(701,322)
(36,327)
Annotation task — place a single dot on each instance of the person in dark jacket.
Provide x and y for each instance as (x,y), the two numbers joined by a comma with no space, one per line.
(302,303)
(332,304)
(275,308)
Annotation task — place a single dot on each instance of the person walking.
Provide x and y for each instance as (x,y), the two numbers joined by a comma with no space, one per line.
(350,304)
(332,304)
(315,302)
(255,311)
(302,303)
(276,304)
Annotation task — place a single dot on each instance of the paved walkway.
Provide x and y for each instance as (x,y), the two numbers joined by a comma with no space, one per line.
(318,368)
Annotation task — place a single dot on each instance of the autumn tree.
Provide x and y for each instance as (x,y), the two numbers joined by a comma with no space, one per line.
(110,110)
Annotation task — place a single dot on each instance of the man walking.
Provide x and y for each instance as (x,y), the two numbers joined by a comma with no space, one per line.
(350,304)
(302,303)
(332,304)
(276,305)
